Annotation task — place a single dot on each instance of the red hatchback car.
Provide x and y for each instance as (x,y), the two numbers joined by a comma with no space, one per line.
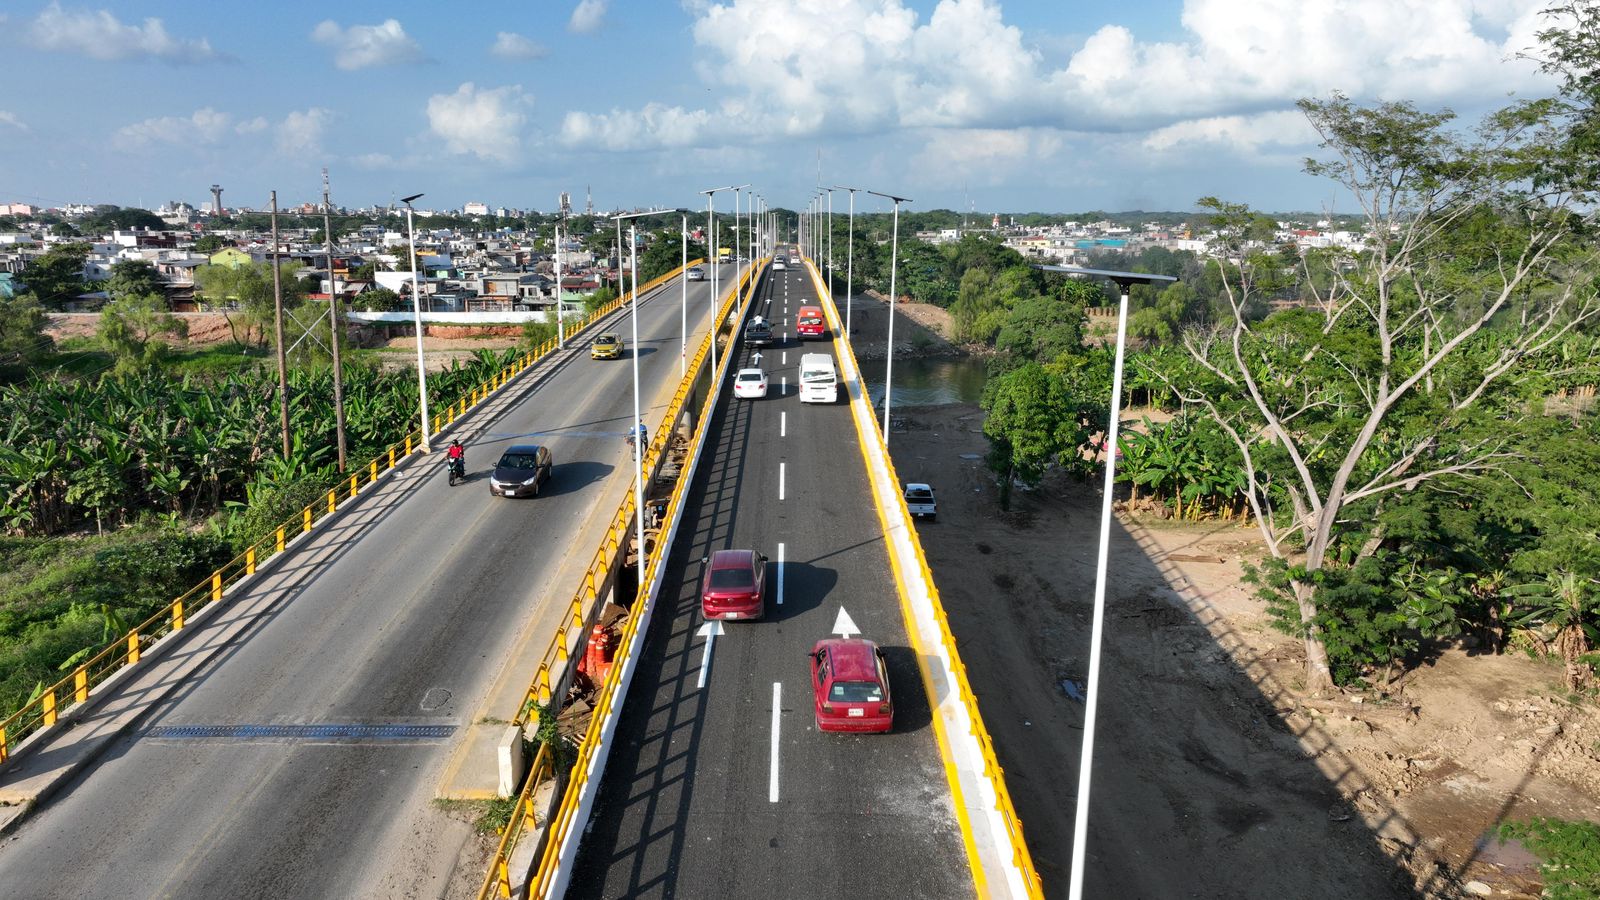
(734,586)
(850,686)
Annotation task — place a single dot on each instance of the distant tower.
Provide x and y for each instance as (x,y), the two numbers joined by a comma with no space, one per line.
(216,199)
(588,206)
(996,220)
(565,204)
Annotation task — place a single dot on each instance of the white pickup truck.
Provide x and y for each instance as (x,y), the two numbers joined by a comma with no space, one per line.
(920,502)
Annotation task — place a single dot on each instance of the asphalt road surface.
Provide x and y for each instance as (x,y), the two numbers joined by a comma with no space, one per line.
(248,781)
(729,790)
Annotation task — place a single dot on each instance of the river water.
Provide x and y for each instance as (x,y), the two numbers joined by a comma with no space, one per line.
(928,381)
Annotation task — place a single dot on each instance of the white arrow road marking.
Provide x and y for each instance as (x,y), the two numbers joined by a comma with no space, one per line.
(709,631)
(843,625)
(780,574)
(777,705)
(756,357)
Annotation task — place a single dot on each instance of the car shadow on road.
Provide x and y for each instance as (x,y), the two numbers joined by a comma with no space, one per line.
(567,478)
(911,710)
(805,587)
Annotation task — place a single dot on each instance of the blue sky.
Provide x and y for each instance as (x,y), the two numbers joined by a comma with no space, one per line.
(1048,105)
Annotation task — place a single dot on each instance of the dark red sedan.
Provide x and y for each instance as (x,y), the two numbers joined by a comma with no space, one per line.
(850,686)
(734,586)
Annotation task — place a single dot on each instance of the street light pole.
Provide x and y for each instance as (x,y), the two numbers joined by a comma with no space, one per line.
(277,321)
(416,317)
(683,278)
(638,442)
(894,265)
(561,331)
(335,329)
(850,260)
(711,244)
(1080,820)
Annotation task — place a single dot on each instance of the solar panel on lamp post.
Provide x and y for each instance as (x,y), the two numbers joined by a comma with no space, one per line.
(1080,830)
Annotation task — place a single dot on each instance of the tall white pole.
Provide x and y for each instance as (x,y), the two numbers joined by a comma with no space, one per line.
(638,445)
(736,239)
(830,242)
(1080,819)
(416,318)
(683,277)
(888,366)
(561,331)
(711,225)
(850,265)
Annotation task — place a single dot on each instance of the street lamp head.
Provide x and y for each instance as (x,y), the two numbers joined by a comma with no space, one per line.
(407,200)
(1123,279)
(890,197)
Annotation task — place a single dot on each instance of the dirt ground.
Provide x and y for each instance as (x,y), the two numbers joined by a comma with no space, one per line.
(1215,776)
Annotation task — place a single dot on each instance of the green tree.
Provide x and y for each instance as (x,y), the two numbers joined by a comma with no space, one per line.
(379,300)
(117,218)
(244,295)
(664,254)
(134,278)
(1043,329)
(56,277)
(1031,421)
(130,328)
(1400,378)
(209,243)
(22,323)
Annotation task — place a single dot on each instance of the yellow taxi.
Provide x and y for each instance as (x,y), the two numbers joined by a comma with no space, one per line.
(606,346)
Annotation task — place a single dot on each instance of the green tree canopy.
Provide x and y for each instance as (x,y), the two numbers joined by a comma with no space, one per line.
(56,277)
(131,327)
(134,278)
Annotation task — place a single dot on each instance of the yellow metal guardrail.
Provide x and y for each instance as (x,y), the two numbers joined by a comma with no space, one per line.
(45,709)
(497,881)
(1021,857)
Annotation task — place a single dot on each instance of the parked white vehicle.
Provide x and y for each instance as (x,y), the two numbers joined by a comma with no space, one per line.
(819,382)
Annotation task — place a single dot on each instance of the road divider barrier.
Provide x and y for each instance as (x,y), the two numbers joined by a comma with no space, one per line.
(557,840)
(1001,864)
(23,727)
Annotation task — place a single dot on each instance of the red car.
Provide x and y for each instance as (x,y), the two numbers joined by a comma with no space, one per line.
(850,686)
(734,586)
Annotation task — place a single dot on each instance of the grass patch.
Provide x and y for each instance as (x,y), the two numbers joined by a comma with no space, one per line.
(488,816)
(1569,854)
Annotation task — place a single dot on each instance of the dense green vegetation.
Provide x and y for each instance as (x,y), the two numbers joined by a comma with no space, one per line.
(124,488)
(1569,853)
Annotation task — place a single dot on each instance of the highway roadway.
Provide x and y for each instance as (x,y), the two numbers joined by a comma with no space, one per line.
(245,781)
(729,790)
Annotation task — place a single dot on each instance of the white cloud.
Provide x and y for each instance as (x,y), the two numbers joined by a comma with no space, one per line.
(10,118)
(301,132)
(365,46)
(101,35)
(882,67)
(510,45)
(252,126)
(1242,134)
(204,126)
(486,123)
(588,16)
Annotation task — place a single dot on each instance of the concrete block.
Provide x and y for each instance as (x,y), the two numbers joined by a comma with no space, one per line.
(512,761)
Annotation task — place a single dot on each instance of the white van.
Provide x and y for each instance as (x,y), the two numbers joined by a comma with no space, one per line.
(819,383)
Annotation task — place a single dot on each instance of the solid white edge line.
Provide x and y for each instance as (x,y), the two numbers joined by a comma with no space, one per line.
(780,573)
(782,467)
(777,706)
(705,662)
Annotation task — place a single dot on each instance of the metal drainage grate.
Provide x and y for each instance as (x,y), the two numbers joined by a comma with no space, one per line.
(327,732)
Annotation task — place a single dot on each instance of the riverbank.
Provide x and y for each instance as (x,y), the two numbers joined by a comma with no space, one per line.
(1208,751)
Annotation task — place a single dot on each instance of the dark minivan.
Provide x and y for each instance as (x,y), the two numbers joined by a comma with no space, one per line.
(520,471)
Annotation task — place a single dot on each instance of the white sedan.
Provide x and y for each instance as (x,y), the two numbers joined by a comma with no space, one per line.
(750,384)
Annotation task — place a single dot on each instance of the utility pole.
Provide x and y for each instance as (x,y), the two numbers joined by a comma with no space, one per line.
(333,319)
(277,317)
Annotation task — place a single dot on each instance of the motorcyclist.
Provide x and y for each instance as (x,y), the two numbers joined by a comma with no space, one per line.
(458,456)
(642,434)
